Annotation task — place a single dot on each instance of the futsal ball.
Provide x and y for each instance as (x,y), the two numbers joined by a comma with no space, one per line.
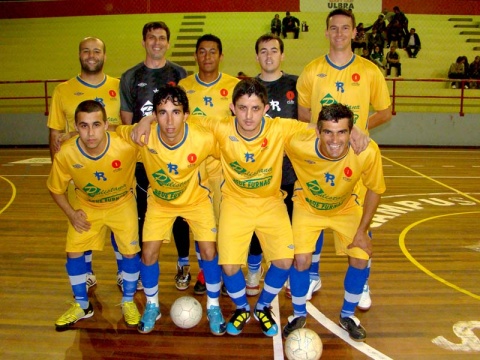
(186,312)
(303,344)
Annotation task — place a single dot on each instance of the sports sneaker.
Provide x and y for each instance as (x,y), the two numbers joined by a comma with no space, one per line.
(182,279)
(238,320)
(253,282)
(130,313)
(147,322)
(315,285)
(365,300)
(216,320)
(294,324)
(288,292)
(353,327)
(91,280)
(139,283)
(120,280)
(72,315)
(268,325)
(200,288)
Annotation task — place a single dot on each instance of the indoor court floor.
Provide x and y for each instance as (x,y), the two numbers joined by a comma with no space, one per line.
(424,282)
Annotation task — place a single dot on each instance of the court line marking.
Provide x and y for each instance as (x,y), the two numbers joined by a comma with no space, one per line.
(432,179)
(423,268)
(401,238)
(277,339)
(342,334)
(14,193)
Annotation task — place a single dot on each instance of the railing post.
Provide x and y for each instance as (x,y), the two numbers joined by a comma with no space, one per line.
(461,97)
(393,97)
(45,90)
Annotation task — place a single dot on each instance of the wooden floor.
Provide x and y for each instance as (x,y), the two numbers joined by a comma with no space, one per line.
(425,275)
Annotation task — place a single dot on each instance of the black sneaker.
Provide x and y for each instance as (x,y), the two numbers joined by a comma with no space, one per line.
(237,321)
(200,288)
(353,327)
(268,325)
(294,324)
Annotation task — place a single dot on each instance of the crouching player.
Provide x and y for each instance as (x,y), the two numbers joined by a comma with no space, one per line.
(172,161)
(325,197)
(101,166)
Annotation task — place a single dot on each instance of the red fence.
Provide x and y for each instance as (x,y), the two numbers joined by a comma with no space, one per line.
(459,95)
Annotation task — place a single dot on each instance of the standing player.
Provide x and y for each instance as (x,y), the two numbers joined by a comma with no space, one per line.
(101,167)
(282,99)
(328,171)
(342,77)
(209,93)
(138,85)
(91,83)
(172,160)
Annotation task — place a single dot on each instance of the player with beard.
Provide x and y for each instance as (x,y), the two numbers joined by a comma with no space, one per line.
(91,84)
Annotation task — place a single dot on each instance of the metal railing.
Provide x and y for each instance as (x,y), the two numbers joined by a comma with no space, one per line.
(461,97)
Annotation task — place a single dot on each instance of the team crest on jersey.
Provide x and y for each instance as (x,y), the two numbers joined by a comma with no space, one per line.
(348,172)
(112,93)
(264,143)
(290,95)
(77,166)
(192,158)
(198,111)
(91,190)
(328,100)
(224,92)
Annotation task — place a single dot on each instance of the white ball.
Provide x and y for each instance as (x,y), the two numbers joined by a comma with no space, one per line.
(186,312)
(303,344)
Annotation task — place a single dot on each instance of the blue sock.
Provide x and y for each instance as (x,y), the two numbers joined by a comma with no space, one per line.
(315,266)
(254,262)
(77,274)
(354,282)
(150,275)
(88,261)
(369,260)
(213,278)
(274,280)
(236,288)
(299,282)
(183,261)
(130,272)
(118,256)
(199,257)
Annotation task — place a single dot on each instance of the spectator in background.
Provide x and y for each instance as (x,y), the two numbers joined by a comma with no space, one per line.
(366,54)
(388,15)
(377,57)
(412,44)
(290,24)
(381,26)
(360,40)
(375,38)
(466,66)
(474,72)
(457,71)
(276,25)
(394,34)
(393,61)
(402,19)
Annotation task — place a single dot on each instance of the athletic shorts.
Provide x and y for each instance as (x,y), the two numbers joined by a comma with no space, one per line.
(159,221)
(239,218)
(121,219)
(215,186)
(307,227)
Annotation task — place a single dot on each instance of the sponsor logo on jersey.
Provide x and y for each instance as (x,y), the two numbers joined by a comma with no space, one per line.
(191,91)
(100,100)
(328,100)
(198,111)
(78,93)
(233,138)
(91,190)
(142,84)
(321,75)
(77,166)
(147,108)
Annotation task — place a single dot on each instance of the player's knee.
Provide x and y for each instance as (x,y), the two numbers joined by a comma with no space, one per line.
(207,250)
(283,264)
(358,263)
(302,262)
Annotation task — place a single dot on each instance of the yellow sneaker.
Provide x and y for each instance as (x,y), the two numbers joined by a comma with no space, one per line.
(72,315)
(131,314)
